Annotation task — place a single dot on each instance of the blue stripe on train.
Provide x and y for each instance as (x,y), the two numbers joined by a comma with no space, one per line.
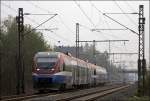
(58,79)
(52,79)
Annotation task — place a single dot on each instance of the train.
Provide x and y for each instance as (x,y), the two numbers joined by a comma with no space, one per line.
(60,71)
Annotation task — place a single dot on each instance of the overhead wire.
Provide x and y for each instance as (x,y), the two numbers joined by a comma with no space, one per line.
(67,40)
(109,29)
(116,36)
(39,7)
(121,24)
(36,23)
(50,12)
(86,16)
(104,20)
(107,24)
(97,9)
(114,20)
(65,25)
(132,9)
(133,45)
(61,20)
(125,14)
(126,2)
(89,19)
(40,24)
(98,20)
(14,10)
(91,11)
(3,4)
(52,38)
(84,13)
(84,26)
(58,17)
(130,6)
(89,29)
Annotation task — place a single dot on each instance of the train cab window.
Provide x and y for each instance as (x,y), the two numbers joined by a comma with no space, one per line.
(46,62)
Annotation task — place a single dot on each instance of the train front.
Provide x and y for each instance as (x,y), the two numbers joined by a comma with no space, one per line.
(46,64)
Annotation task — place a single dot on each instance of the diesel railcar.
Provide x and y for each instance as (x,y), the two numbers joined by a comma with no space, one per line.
(56,70)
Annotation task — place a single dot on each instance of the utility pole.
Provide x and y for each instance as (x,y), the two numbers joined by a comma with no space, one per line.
(94,52)
(109,61)
(141,55)
(77,52)
(20,66)
(0,65)
(77,40)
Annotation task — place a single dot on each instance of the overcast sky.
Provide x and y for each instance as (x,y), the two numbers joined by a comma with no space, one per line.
(89,15)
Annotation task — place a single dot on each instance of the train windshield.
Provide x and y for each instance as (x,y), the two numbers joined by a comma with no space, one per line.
(46,62)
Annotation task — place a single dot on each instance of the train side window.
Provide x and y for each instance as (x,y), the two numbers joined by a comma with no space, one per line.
(63,67)
(94,71)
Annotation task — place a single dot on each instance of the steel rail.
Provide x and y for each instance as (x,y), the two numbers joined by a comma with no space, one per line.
(59,96)
(23,97)
(97,95)
(34,95)
(87,96)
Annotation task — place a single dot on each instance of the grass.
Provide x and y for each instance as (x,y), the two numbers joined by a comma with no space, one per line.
(136,98)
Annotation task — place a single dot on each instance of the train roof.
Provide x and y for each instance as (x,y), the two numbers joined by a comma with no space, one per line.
(47,54)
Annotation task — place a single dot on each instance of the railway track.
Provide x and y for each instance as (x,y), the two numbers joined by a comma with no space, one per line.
(69,95)
(35,95)
(96,95)
(93,95)
(24,97)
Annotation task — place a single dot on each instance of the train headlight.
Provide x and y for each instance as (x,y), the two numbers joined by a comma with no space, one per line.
(37,69)
(52,69)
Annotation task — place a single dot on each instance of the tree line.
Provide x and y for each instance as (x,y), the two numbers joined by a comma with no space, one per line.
(32,43)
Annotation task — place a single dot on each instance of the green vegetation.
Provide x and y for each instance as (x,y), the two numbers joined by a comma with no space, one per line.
(135,98)
(32,43)
(146,91)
